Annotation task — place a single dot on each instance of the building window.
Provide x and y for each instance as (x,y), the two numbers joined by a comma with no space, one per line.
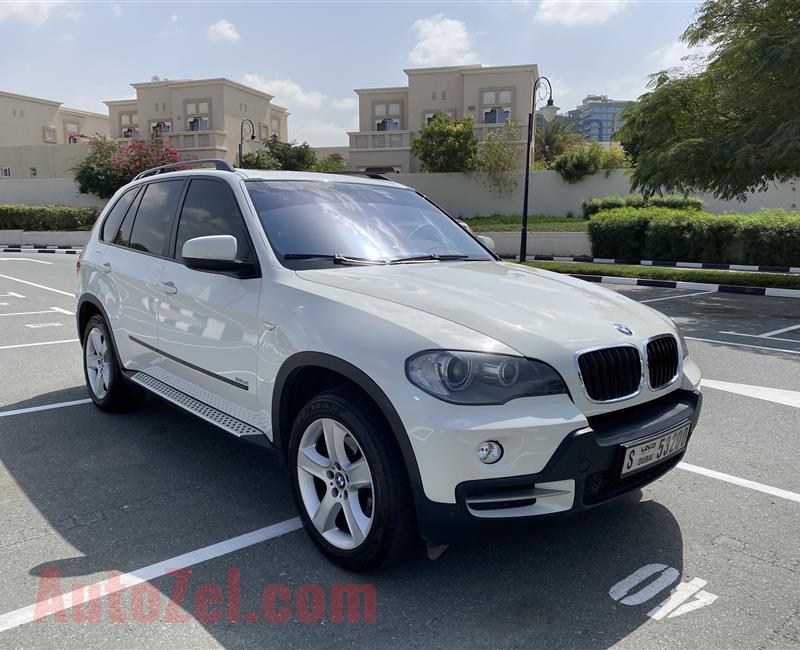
(197,114)
(380,110)
(387,124)
(129,124)
(444,95)
(71,132)
(5,172)
(33,172)
(433,95)
(155,106)
(496,115)
(496,105)
(276,128)
(159,128)
(394,109)
(431,114)
(21,113)
(263,131)
(50,135)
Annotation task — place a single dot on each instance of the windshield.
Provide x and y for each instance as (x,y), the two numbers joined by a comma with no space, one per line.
(314,223)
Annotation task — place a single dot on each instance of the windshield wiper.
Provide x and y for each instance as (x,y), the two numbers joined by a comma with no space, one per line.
(335,258)
(432,256)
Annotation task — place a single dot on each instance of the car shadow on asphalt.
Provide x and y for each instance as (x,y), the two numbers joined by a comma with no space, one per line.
(120,492)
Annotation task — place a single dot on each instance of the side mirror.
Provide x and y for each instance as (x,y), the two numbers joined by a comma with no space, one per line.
(488,242)
(215,253)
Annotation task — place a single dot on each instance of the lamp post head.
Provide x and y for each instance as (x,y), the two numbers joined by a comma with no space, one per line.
(549,111)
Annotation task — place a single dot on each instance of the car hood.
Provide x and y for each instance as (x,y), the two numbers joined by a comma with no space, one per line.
(528,309)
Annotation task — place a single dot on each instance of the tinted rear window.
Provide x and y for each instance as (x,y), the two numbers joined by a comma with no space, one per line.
(151,228)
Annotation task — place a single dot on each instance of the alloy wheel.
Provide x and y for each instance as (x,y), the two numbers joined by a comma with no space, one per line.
(98,368)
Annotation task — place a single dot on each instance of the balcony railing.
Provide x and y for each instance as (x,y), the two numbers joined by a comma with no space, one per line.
(482,130)
(381,139)
(189,139)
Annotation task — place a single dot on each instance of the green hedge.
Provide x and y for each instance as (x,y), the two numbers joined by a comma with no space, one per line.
(46,217)
(594,205)
(768,237)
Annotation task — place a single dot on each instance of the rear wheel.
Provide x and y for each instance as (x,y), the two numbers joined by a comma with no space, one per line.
(107,386)
(349,482)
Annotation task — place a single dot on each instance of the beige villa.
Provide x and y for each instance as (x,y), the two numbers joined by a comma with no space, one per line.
(41,137)
(200,118)
(390,117)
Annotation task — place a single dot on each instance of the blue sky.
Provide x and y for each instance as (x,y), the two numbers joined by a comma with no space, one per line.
(310,55)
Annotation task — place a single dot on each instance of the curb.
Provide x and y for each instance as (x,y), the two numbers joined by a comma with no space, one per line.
(49,249)
(680,265)
(701,286)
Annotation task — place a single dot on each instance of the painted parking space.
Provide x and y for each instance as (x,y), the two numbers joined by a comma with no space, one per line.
(86,495)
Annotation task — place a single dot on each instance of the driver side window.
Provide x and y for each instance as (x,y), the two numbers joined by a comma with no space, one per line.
(210,209)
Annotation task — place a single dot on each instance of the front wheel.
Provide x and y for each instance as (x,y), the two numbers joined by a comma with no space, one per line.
(107,386)
(349,482)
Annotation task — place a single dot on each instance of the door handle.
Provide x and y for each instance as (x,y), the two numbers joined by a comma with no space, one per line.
(105,268)
(168,288)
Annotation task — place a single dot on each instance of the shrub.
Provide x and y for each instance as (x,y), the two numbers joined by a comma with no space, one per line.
(46,217)
(109,165)
(579,162)
(260,159)
(594,205)
(769,237)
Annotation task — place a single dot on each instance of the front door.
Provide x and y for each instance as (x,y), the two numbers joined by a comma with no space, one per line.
(208,321)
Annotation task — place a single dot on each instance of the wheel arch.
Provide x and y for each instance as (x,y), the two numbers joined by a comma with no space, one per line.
(288,378)
(88,306)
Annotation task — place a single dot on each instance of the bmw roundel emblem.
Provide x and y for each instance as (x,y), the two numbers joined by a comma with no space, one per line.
(624,329)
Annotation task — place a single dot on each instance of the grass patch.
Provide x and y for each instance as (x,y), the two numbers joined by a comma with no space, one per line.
(710,276)
(536,223)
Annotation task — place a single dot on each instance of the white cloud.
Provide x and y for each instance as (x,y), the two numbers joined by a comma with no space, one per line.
(578,12)
(116,9)
(673,55)
(319,133)
(290,94)
(441,41)
(33,13)
(223,30)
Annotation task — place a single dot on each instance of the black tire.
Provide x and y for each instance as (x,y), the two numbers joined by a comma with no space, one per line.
(119,394)
(393,534)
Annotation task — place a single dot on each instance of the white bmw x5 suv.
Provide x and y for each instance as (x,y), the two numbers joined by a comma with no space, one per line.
(413,381)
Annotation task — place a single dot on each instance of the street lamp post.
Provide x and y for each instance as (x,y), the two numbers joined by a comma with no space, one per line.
(548,112)
(247,128)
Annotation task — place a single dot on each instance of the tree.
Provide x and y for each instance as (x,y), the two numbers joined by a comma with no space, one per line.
(501,156)
(109,165)
(579,162)
(335,162)
(446,145)
(553,139)
(260,159)
(292,156)
(730,127)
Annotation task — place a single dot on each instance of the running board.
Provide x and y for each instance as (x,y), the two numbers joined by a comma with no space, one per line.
(195,406)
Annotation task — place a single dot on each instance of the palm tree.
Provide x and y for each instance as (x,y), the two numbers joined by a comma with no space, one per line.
(553,139)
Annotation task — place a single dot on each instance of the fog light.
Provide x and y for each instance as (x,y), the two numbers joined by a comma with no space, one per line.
(490,452)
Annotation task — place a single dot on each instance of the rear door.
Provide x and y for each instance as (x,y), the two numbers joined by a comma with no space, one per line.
(131,263)
(208,322)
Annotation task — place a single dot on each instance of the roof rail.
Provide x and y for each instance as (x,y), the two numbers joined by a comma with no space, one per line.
(218,164)
(374,175)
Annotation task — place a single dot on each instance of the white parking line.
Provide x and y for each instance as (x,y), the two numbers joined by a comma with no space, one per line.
(743,345)
(743,482)
(761,336)
(26,615)
(39,286)
(781,331)
(49,311)
(33,345)
(11,294)
(44,407)
(777,395)
(22,259)
(683,295)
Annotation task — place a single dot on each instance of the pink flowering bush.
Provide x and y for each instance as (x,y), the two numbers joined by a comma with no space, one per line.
(109,165)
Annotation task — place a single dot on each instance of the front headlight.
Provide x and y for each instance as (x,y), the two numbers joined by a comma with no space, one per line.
(480,378)
(682,339)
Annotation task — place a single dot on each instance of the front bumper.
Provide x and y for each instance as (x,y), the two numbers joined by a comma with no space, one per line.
(582,473)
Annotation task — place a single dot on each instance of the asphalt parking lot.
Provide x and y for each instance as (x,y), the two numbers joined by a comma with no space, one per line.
(86,496)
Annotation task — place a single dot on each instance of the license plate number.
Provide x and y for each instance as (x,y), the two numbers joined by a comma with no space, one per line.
(639,455)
